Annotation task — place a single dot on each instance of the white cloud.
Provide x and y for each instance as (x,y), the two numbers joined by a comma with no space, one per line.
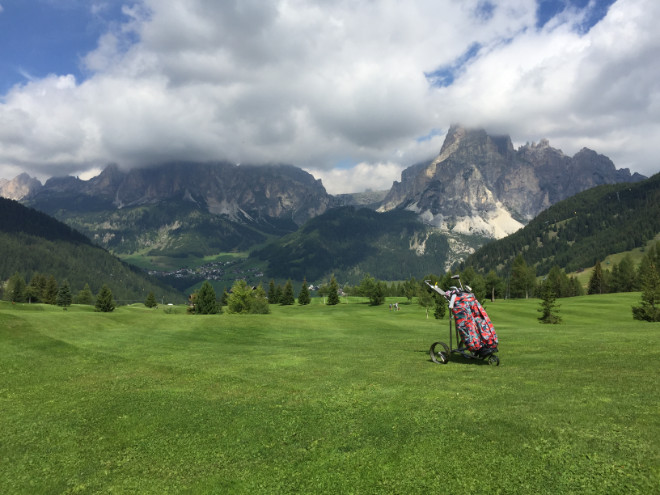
(361,177)
(326,82)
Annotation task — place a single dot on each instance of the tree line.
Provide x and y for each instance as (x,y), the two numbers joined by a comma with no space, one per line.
(45,289)
(625,278)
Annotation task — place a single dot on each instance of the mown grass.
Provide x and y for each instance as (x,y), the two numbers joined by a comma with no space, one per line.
(325,399)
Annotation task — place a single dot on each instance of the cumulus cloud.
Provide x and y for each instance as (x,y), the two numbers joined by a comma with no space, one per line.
(327,83)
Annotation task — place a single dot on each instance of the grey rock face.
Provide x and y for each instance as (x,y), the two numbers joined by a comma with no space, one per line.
(479,184)
(19,187)
(276,191)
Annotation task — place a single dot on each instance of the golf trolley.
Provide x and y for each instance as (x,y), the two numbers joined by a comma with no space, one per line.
(476,339)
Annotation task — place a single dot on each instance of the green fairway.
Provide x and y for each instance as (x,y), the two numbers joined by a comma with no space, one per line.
(322,399)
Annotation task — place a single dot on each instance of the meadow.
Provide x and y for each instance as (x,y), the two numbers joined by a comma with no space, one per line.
(327,399)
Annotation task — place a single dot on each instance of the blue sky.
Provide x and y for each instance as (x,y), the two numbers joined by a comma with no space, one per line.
(87,82)
(42,37)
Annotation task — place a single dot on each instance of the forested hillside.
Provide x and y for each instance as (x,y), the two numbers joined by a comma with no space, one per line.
(577,232)
(351,242)
(33,243)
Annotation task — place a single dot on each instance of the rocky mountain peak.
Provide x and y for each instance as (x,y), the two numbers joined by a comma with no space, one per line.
(19,187)
(479,184)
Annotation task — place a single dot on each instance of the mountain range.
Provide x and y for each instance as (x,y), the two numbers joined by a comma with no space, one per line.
(478,188)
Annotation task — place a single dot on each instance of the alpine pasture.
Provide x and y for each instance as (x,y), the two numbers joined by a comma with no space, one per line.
(327,399)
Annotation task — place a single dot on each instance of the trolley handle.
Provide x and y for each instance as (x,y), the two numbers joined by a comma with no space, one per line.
(435,288)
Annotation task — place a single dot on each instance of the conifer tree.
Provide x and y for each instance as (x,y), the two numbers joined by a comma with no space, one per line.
(36,288)
(16,288)
(259,302)
(64,297)
(522,278)
(649,309)
(549,308)
(278,293)
(287,298)
(240,298)
(104,301)
(150,301)
(205,303)
(440,307)
(303,296)
(596,284)
(574,287)
(374,290)
(85,296)
(411,288)
(624,278)
(273,297)
(333,292)
(50,294)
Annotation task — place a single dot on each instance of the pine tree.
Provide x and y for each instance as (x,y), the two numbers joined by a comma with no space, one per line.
(377,296)
(374,290)
(205,303)
(150,301)
(574,287)
(333,292)
(411,288)
(288,298)
(277,297)
(440,307)
(522,278)
(303,296)
(240,298)
(85,296)
(64,297)
(623,277)
(104,301)
(273,297)
(549,308)
(259,302)
(596,281)
(649,309)
(50,295)
(16,288)
(36,288)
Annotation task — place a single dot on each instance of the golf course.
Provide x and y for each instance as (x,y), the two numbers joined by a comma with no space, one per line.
(327,399)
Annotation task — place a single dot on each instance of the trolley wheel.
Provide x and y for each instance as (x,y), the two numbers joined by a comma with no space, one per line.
(439,353)
(493,360)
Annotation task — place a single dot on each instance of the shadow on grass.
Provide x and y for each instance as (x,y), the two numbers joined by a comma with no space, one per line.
(457,359)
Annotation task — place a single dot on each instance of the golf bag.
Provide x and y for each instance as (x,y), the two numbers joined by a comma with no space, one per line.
(472,322)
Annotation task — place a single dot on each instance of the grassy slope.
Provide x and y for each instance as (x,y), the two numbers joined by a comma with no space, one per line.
(326,399)
(614,259)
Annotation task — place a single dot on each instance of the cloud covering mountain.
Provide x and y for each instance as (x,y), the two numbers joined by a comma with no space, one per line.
(352,92)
